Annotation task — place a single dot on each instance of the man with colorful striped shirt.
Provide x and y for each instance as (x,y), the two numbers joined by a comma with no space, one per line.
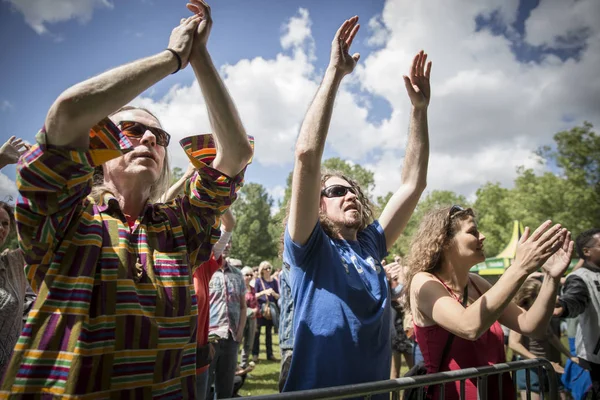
(116,313)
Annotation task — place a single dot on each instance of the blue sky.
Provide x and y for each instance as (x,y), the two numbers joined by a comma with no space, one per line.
(501,72)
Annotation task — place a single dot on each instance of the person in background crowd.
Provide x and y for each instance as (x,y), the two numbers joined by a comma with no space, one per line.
(530,348)
(240,378)
(267,294)
(452,307)
(275,275)
(575,379)
(581,298)
(228,308)
(116,314)
(401,344)
(13,285)
(286,324)
(333,246)
(252,314)
(255,272)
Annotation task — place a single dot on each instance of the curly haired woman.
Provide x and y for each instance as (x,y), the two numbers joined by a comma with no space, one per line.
(443,251)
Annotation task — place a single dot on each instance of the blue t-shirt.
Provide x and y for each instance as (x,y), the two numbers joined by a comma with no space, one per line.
(341,310)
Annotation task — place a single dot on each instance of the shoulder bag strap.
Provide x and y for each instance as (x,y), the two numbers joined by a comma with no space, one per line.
(264,287)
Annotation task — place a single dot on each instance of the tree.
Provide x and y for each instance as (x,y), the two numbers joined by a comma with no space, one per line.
(577,153)
(570,196)
(176,174)
(493,209)
(253,241)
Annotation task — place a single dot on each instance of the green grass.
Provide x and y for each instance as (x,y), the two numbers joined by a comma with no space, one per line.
(264,378)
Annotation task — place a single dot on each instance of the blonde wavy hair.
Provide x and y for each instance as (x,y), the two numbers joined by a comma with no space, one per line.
(162,184)
(433,237)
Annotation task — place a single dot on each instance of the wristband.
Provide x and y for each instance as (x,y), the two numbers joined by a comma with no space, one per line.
(178,60)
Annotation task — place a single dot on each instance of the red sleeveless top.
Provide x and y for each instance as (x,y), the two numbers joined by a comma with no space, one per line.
(463,353)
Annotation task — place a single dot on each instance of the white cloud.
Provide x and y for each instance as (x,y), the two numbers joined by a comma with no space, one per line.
(38,13)
(272,96)
(276,193)
(297,34)
(6,105)
(560,23)
(488,111)
(8,189)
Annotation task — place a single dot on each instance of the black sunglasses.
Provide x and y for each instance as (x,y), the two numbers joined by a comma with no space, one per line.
(250,275)
(337,191)
(136,130)
(455,209)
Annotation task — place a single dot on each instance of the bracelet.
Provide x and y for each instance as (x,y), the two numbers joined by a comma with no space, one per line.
(178,60)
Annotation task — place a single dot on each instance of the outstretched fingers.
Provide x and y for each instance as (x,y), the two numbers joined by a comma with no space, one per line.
(541,229)
(423,63)
(550,234)
(352,35)
(556,241)
(414,66)
(339,35)
(567,242)
(428,70)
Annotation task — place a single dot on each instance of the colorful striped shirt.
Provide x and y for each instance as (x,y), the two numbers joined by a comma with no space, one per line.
(116,313)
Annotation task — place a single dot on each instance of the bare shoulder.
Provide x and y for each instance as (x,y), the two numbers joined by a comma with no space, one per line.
(420,278)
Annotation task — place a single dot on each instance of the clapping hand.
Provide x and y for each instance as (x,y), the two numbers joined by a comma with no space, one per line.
(201,9)
(534,249)
(182,38)
(558,262)
(340,57)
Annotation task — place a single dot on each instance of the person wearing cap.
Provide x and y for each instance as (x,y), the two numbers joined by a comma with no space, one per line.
(227,300)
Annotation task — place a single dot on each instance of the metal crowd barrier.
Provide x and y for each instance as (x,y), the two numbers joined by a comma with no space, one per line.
(395,386)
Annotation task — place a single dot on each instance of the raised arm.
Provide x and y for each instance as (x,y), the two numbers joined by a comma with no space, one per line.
(177,188)
(234,150)
(434,302)
(399,209)
(11,150)
(80,107)
(227,225)
(306,178)
(515,343)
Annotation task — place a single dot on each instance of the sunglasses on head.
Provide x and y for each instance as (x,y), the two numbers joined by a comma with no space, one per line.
(455,209)
(133,129)
(337,191)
